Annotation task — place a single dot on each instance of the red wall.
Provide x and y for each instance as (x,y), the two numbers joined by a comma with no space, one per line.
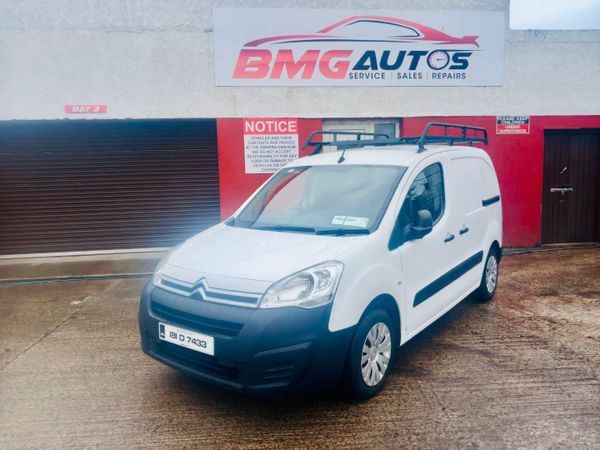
(518,160)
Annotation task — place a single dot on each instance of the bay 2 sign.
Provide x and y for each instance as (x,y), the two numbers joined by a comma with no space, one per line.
(314,47)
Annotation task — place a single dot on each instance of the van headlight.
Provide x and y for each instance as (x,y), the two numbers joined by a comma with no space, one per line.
(309,288)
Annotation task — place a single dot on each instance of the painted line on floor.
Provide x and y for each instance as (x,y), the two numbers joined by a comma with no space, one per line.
(524,251)
(114,276)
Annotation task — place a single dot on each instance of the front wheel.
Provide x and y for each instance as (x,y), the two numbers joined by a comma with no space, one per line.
(489,278)
(371,355)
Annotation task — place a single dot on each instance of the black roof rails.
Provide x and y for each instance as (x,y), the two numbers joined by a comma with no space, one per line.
(452,139)
(319,144)
(477,135)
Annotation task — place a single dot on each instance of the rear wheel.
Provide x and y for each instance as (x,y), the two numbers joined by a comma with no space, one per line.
(371,355)
(489,278)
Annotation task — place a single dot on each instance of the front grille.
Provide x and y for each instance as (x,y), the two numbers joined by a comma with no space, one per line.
(196,323)
(198,361)
(202,291)
(179,287)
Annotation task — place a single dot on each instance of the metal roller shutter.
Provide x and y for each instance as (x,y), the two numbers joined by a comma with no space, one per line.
(91,185)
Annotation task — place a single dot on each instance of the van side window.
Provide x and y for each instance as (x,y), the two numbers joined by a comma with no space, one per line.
(425,192)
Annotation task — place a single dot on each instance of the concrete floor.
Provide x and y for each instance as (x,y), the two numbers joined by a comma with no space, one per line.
(520,372)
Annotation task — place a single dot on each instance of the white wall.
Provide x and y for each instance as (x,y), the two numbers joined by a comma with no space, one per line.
(154,58)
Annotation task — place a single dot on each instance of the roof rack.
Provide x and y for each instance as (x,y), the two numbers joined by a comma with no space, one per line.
(319,144)
(477,135)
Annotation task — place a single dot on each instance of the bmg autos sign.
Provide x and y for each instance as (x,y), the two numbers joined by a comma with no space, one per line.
(287,47)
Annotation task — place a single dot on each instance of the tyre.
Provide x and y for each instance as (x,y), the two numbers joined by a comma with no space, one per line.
(371,355)
(489,278)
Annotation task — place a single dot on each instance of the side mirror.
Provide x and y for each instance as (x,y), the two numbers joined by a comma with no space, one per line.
(423,225)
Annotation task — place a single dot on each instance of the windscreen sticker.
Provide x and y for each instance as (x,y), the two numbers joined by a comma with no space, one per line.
(360,222)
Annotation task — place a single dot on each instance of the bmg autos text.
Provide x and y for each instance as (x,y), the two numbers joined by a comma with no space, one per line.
(344,64)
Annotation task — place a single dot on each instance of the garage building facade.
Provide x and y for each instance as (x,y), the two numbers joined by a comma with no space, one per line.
(114,133)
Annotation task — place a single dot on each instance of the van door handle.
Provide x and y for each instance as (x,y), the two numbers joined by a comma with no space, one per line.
(448,237)
(463,230)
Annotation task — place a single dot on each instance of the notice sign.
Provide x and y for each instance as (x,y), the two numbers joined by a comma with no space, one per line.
(269,144)
(512,125)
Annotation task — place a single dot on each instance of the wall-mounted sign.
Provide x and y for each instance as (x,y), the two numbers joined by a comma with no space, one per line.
(315,47)
(512,125)
(85,109)
(269,144)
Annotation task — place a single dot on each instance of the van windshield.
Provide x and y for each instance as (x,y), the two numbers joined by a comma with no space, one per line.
(349,199)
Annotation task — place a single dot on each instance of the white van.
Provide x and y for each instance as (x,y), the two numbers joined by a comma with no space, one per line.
(335,262)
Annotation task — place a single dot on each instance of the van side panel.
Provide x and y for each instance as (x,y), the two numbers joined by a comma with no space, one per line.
(471,179)
(470,221)
(374,270)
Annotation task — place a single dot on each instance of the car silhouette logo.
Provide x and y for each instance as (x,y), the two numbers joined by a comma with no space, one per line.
(371,29)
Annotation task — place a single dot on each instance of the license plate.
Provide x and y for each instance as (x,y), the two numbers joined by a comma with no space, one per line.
(185,338)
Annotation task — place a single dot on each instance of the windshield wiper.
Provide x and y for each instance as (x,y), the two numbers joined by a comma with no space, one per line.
(343,231)
(285,228)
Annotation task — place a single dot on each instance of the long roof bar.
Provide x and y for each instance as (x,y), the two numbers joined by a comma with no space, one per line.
(477,135)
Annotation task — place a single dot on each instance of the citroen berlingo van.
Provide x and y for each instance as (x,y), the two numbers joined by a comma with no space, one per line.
(335,262)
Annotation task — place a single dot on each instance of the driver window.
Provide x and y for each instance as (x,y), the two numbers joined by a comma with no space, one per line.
(425,192)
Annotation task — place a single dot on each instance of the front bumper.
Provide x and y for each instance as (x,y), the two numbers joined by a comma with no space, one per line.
(256,350)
